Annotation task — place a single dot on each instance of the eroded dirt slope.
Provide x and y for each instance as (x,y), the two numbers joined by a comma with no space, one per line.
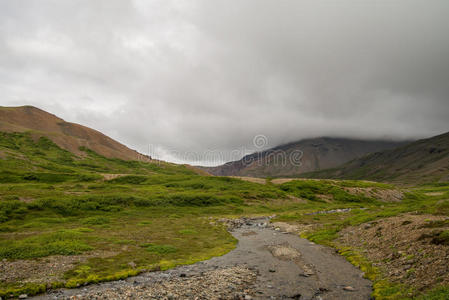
(409,249)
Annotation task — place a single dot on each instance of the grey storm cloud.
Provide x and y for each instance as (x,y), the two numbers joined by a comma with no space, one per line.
(192,76)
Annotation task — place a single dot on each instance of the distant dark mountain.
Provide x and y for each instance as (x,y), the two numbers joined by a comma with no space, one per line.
(317,154)
(69,136)
(422,161)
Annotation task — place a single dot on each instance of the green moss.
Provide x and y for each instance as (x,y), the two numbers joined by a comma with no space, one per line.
(322,236)
(28,288)
(63,242)
(438,293)
(382,288)
(188,231)
(145,223)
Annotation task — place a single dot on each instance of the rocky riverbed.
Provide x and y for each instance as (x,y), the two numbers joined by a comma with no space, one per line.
(267,264)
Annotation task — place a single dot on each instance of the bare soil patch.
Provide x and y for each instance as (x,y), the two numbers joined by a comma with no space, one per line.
(326,198)
(284,251)
(251,179)
(434,194)
(285,227)
(44,270)
(283,180)
(387,195)
(296,199)
(294,228)
(26,199)
(75,193)
(409,249)
(112,176)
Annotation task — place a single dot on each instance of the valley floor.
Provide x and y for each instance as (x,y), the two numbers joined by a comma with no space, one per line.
(268,263)
(70,221)
(398,237)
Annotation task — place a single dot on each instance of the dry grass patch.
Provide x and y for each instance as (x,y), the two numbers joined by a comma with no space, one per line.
(251,179)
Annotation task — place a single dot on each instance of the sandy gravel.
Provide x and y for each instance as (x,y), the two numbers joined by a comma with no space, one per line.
(225,283)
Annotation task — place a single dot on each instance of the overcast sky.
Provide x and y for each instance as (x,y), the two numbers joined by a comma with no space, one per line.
(193,76)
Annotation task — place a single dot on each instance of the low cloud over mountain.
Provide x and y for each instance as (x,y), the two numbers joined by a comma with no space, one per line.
(209,75)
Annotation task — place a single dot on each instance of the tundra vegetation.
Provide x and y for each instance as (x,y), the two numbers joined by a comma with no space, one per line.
(119,218)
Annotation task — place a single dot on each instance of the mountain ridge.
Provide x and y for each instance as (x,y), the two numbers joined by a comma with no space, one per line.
(424,160)
(315,154)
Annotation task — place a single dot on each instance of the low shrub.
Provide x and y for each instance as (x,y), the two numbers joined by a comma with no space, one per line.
(74,206)
(130,179)
(12,209)
(159,249)
(95,221)
(311,189)
(200,199)
(441,238)
(45,177)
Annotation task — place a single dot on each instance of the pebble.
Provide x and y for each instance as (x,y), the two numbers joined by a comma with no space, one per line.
(332,211)
(223,283)
(349,288)
(23,296)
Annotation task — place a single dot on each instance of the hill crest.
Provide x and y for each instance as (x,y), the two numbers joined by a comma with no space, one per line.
(67,135)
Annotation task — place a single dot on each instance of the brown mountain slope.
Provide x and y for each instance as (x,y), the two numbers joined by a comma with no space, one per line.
(317,154)
(422,161)
(69,136)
